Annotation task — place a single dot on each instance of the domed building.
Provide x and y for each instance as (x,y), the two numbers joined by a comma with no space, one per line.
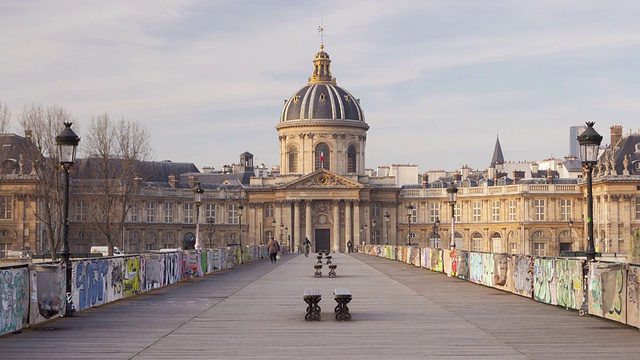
(322,192)
(322,126)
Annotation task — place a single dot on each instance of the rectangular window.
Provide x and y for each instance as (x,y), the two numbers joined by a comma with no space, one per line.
(512,210)
(565,209)
(233,213)
(268,211)
(168,212)
(477,211)
(457,213)
(434,211)
(5,207)
(414,213)
(4,250)
(637,207)
(188,213)
(495,211)
(476,244)
(210,213)
(375,210)
(134,212)
(81,211)
(148,247)
(538,210)
(513,248)
(151,211)
(538,249)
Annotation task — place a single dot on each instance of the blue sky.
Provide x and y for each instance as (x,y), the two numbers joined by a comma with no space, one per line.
(437,79)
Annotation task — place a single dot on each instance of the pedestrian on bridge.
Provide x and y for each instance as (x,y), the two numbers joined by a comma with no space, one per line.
(273,247)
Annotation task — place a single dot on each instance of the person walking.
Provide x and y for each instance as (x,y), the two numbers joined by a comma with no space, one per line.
(349,246)
(273,247)
(307,246)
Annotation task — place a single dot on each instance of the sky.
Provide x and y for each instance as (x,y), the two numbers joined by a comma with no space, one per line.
(438,80)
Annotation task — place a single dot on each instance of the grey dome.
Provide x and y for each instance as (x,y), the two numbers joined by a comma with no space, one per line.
(322,98)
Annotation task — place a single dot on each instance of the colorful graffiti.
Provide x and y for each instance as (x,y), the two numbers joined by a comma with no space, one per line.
(568,275)
(544,281)
(90,279)
(14,299)
(132,283)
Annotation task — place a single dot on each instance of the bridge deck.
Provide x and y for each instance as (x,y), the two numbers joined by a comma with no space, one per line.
(256,311)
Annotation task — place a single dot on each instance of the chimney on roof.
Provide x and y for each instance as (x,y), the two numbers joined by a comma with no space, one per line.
(457,177)
(517,175)
(616,135)
(549,176)
(425,180)
(27,135)
(172,181)
(465,172)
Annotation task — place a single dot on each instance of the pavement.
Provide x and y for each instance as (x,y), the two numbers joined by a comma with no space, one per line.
(256,311)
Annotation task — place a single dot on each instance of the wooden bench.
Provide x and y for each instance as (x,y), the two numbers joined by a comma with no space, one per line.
(328,257)
(342,297)
(332,270)
(312,297)
(318,272)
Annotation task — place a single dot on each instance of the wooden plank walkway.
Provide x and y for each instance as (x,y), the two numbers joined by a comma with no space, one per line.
(256,311)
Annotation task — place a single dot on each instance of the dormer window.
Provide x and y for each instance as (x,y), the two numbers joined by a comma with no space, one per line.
(321,97)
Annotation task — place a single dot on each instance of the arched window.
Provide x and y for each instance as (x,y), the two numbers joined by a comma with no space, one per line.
(293,159)
(476,242)
(351,159)
(496,243)
(322,157)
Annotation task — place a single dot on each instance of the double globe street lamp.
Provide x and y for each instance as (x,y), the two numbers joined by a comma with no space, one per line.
(198,191)
(452,193)
(409,215)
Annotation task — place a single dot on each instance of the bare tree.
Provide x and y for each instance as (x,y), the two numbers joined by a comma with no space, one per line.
(44,125)
(117,150)
(5,118)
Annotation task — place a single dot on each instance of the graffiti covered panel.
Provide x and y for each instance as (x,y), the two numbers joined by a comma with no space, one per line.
(544,284)
(633,295)
(568,275)
(89,281)
(607,290)
(475,267)
(48,288)
(500,271)
(522,275)
(14,287)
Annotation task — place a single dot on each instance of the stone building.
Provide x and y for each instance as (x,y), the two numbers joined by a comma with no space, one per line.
(322,190)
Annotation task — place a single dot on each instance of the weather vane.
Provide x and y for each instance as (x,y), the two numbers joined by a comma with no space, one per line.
(321,31)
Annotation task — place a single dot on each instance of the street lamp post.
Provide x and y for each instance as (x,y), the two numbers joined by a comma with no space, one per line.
(386,221)
(198,191)
(273,223)
(571,233)
(286,237)
(452,193)
(281,229)
(210,228)
(67,142)
(240,208)
(409,215)
(373,231)
(589,142)
(435,232)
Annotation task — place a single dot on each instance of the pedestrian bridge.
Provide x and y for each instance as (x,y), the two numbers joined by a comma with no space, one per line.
(255,310)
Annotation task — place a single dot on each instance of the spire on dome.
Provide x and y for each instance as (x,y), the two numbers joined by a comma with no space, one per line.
(497,158)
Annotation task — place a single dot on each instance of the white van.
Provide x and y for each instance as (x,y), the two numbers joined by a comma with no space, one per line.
(104,250)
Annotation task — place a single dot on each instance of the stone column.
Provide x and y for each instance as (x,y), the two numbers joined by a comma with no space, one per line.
(336,226)
(295,232)
(347,225)
(356,223)
(309,235)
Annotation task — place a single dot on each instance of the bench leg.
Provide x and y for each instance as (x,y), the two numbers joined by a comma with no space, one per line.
(318,273)
(313,310)
(342,310)
(332,273)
